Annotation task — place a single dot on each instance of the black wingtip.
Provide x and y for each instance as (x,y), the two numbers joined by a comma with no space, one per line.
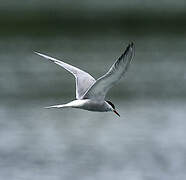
(131,45)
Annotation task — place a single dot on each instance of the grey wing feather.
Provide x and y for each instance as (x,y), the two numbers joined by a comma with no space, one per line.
(83,79)
(100,88)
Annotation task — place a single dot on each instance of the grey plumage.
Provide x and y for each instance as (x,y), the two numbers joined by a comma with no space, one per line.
(90,94)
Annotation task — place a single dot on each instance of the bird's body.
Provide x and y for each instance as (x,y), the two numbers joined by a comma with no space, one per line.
(86,104)
(90,94)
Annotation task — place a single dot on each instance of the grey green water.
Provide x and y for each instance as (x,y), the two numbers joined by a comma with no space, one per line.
(147,142)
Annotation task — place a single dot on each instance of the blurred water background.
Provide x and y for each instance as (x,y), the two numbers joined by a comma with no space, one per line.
(148,142)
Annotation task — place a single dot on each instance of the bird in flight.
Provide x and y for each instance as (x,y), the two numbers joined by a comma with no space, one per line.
(90,93)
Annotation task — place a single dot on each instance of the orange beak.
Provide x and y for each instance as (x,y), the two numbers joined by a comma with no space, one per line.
(116,112)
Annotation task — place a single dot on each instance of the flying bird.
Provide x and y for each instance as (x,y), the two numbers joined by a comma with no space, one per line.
(90,93)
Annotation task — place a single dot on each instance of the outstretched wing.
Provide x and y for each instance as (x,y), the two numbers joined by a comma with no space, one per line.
(83,79)
(100,88)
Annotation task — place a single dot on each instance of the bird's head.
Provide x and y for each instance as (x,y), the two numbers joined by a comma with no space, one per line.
(112,107)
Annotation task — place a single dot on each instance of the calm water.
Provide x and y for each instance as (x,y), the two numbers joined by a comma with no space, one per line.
(148,141)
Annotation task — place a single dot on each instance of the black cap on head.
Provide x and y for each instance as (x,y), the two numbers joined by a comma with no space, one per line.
(111,104)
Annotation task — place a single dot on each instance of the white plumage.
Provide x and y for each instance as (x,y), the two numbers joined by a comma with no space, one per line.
(90,94)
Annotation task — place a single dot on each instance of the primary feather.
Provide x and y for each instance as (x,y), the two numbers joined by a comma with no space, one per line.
(100,88)
(83,79)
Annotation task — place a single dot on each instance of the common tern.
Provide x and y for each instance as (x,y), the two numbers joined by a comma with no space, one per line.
(90,93)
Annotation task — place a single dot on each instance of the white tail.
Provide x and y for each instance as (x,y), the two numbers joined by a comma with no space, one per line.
(57,106)
(72,104)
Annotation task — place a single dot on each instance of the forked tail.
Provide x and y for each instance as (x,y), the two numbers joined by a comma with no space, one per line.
(57,106)
(72,104)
